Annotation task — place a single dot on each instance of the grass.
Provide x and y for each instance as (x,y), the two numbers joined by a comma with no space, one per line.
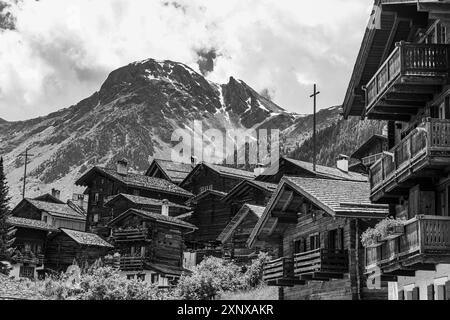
(260,293)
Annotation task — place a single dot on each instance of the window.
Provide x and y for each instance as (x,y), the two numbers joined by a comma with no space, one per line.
(45,218)
(155,278)
(26,272)
(314,242)
(95,217)
(136,192)
(96,198)
(336,239)
(141,277)
(130,276)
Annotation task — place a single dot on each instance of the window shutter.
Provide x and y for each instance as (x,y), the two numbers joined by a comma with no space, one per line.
(447,107)
(430,292)
(441,292)
(415,294)
(447,291)
(401,295)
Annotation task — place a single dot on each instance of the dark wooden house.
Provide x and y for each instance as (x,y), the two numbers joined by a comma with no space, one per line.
(30,243)
(68,246)
(403,66)
(235,235)
(56,214)
(207,176)
(171,171)
(102,183)
(316,224)
(149,245)
(369,152)
(210,215)
(297,168)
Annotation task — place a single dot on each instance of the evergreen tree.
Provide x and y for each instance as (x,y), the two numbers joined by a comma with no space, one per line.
(6,232)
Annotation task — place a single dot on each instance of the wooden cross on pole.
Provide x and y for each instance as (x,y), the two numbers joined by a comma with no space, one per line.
(26,155)
(314,95)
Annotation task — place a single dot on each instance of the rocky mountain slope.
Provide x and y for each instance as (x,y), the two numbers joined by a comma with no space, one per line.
(133,116)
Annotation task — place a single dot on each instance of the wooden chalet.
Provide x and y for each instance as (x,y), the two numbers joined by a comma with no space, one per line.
(102,183)
(369,152)
(297,168)
(210,215)
(30,243)
(149,245)
(207,176)
(56,214)
(235,235)
(171,171)
(402,76)
(68,246)
(316,225)
(123,202)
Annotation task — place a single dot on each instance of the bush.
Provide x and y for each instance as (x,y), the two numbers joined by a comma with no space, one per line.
(100,283)
(253,276)
(209,278)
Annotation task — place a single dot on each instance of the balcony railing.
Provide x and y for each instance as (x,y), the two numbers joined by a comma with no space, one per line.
(427,235)
(368,161)
(430,139)
(29,258)
(279,269)
(408,59)
(131,263)
(326,261)
(129,235)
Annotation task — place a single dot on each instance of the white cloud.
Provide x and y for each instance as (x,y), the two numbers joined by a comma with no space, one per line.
(62,51)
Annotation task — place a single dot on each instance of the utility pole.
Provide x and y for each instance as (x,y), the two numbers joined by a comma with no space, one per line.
(314,95)
(26,155)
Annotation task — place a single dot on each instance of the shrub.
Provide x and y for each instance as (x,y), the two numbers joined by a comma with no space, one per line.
(209,278)
(100,283)
(253,276)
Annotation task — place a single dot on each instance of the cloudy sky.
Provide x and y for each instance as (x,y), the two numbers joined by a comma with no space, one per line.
(54,53)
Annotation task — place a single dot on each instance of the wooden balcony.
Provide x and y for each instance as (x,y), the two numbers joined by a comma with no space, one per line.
(406,81)
(321,264)
(129,235)
(131,263)
(424,243)
(29,258)
(423,153)
(280,272)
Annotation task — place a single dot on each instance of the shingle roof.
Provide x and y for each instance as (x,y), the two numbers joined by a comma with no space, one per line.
(166,269)
(87,239)
(62,210)
(340,196)
(231,171)
(140,181)
(156,217)
(321,171)
(257,210)
(206,193)
(269,187)
(143,201)
(30,224)
(175,171)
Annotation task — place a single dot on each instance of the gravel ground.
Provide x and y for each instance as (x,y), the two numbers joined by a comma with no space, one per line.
(18,290)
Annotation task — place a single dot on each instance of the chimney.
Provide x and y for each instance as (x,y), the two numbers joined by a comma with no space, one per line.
(342,163)
(165,208)
(56,193)
(79,200)
(260,168)
(122,167)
